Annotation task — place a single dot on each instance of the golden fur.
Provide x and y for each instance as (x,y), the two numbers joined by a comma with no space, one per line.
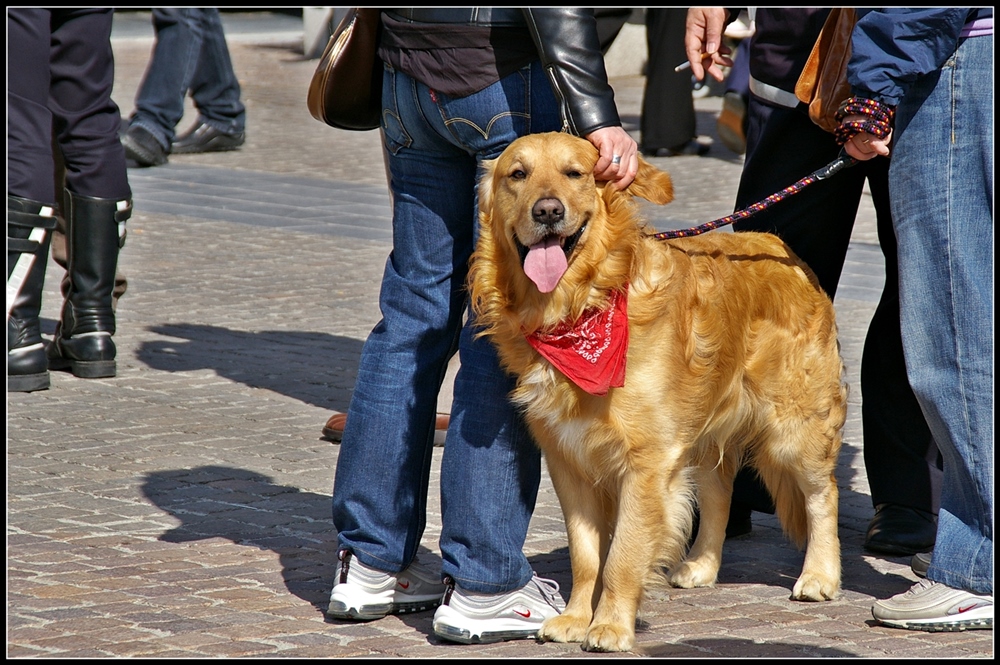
(733,359)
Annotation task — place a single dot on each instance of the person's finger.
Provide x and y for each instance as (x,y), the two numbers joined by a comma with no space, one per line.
(702,35)
(627,175)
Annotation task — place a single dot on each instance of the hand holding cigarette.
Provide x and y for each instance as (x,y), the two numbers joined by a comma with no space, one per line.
(703,43)
(687,63)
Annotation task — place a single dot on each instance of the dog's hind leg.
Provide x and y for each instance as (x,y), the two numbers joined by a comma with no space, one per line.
(701,566)
(820,578)
(805,496)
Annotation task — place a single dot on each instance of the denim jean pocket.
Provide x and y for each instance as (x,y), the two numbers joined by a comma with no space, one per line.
(493,116)
(396,136)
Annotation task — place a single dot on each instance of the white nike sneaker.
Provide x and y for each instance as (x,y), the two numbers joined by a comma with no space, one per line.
(362,593)
(936,607)
(478,618)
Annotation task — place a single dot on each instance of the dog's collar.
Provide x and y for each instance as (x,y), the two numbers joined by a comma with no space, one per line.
(591,351)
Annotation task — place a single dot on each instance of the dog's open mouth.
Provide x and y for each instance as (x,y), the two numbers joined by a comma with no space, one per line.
(545,261)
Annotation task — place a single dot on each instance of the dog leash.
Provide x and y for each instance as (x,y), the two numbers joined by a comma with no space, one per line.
(842,162)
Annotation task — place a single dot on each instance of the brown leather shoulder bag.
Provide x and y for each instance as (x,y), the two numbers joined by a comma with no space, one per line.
(823,82)
(346,89)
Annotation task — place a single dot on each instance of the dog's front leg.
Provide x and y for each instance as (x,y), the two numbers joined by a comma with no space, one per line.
(638,533)
(588,532)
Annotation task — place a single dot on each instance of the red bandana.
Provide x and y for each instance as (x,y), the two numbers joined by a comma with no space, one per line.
(590,352)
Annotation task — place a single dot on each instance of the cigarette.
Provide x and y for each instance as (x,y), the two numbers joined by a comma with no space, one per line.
(687,63)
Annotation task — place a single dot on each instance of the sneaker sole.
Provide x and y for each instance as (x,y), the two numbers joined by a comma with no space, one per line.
(477,631)
(345,609)
(464,636)
(937,626)
(208,147)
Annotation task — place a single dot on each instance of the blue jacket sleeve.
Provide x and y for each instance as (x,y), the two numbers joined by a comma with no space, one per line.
(891,48)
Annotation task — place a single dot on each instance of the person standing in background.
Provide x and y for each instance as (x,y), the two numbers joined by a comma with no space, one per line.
(668,125)
(460,85)
(190,55)
(60,73)
(783,144)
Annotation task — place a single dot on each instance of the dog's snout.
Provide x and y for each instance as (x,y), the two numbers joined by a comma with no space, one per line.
(548,211)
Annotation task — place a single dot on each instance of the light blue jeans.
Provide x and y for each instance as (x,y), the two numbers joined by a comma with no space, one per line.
(941,191)
(491,467)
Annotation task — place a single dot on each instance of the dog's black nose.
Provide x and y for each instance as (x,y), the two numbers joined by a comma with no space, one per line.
(548,211)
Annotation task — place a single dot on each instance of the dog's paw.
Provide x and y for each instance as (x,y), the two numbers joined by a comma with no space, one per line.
(563,628)
(609,637)
(691,574)
(815,588)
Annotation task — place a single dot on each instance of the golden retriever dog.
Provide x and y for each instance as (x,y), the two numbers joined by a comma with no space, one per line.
(649,372)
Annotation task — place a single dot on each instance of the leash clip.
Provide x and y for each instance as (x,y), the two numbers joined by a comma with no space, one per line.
(843,161)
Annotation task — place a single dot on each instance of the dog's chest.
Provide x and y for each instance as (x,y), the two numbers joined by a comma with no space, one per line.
(561,418)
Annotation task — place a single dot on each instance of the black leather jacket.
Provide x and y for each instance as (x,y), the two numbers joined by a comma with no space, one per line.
(566,38)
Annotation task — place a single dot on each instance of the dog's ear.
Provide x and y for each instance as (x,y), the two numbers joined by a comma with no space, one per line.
(652,184)
(486,185)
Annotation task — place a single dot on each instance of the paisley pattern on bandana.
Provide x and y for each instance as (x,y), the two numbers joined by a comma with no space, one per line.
(591,351)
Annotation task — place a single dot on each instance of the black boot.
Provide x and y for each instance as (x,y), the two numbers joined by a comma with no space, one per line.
(29,230)
(95,230)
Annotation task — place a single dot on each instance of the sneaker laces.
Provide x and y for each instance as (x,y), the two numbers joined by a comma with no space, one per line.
(920,586)
(548,588)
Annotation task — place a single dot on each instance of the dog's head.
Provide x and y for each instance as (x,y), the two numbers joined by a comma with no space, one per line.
(549,230)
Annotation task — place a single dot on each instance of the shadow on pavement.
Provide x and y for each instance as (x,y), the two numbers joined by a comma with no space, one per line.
(314,368)
(730,647)
(249,508)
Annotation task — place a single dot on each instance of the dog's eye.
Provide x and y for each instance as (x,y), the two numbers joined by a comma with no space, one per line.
(518,175)
(574,174)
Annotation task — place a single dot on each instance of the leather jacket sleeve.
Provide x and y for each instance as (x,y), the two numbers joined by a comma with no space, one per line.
(570,51)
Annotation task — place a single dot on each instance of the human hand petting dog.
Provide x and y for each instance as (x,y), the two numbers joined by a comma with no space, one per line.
(619,156)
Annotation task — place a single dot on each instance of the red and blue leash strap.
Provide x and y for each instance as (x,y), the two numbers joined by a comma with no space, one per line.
(877,120)
(841,162)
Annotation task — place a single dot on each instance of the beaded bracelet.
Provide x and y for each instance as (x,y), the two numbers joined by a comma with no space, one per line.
(878,120)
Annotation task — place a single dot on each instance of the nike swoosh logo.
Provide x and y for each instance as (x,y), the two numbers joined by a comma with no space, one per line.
(527,614)
(966,609)
(404,585)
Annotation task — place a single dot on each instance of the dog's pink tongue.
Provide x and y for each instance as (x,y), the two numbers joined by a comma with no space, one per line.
(545,264)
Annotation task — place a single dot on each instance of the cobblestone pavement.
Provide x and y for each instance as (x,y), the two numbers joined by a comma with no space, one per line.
(181,509)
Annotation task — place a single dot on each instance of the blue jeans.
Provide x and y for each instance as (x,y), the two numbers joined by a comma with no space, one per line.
(941,191)
(190,54)
(491,467)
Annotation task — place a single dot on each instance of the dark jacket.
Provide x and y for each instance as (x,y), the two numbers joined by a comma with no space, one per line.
(782,40)
(891,48)
(568,47)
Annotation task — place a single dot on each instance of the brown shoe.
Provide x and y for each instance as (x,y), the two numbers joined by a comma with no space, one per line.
(334,428)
